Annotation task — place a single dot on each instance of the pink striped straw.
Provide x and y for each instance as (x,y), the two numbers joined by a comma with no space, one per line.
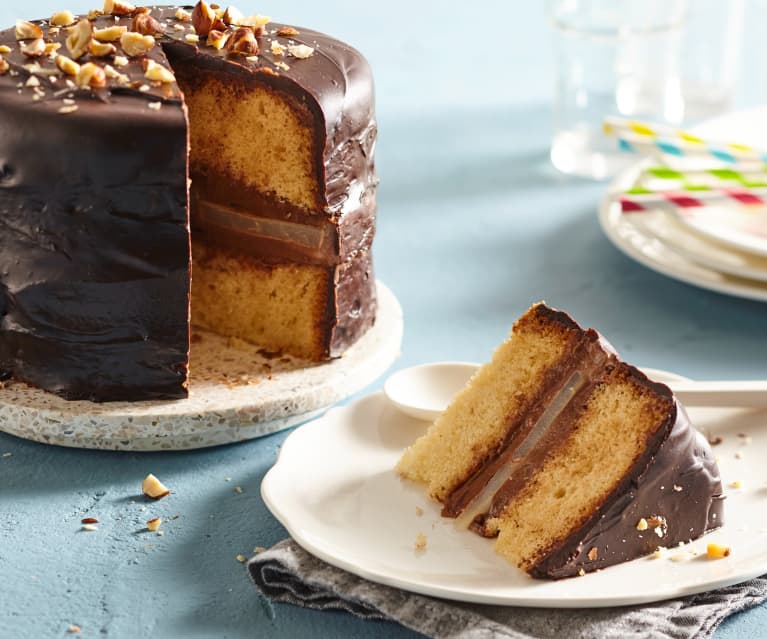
(673,200)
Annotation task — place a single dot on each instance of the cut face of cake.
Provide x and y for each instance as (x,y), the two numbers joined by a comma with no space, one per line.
(571,458)
(168,166)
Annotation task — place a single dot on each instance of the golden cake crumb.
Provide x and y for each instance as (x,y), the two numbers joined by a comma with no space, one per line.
(241,558)
(420,541)
(418,511)
(74,629)
(154,524)
(153,487)
(717,551)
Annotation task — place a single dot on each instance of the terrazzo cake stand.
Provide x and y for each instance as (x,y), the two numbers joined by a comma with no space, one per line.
(236,392)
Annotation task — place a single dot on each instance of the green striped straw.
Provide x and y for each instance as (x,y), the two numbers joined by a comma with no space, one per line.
(704,178)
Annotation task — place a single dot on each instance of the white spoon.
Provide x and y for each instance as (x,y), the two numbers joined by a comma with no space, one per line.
(424,391)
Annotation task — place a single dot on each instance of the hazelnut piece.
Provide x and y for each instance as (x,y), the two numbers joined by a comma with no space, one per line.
(67,65)
(217,39)
(109,34)
(34,48)
(79,39)
(91,75)
(153,487)
(717,551)
(118,7)
(257,23)
(243,42)
(205,20)
(62,19)
(300,51)
(158,73)
(102,49)
(232,15)
(183,16)
(154,523)
(27,30)
(4,66)
(145,24)
(287,32)
(136,44)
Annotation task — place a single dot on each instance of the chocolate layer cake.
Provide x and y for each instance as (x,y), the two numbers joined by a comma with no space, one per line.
(572,458)
(104,120)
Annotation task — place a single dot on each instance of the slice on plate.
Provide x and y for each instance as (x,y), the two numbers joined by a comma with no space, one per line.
(571,458)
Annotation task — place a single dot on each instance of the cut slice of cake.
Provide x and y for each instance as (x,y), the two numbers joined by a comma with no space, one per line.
(572,458)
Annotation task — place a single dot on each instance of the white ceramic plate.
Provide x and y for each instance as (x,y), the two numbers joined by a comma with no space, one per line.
(697,248)
(334,488)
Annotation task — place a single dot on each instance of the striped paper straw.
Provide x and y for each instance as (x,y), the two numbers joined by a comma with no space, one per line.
(638,199)
(652,139)
(716,177)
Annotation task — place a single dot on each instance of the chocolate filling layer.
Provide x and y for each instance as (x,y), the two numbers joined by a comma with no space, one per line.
(586,357)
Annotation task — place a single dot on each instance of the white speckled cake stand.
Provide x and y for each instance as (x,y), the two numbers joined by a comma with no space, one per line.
(235,393)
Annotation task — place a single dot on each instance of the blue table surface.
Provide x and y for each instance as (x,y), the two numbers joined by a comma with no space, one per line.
(474,225)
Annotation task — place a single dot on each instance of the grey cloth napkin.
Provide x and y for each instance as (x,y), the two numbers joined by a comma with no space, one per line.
(288,574)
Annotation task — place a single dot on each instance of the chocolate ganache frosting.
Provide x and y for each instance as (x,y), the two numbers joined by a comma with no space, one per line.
(95,260)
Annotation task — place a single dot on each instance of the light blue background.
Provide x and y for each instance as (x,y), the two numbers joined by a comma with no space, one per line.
(474,225)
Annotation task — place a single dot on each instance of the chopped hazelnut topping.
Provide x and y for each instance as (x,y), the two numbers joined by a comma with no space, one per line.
(232,15)
(102,49)
(94,13)
(114,74)
(4,48)
(154,523)
(62,19)
(32,81)
(581,572)
(217,39)
(27,30)
(4,66)
(241,558)
(420,541)
(242,42)
(79,39)
(118,7)
(155,106)
(677,489)
(287,32)
(193,38)
(51,48)
(153,487)
(300,51)
(205,20)
(277,48)
(91,75)
(717,551)
(282,65)
(145,24)
(136,44)
(34,48)
(252,58)
(257,23)
(642,524)
(109,34)
(158,73)
(593,554)
(120,61)
(183,16)
(179,27)
(89,520)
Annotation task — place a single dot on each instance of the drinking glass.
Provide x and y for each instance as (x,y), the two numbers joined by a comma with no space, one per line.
(665,61)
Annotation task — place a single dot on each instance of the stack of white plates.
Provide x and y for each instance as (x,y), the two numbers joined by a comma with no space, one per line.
(722,248)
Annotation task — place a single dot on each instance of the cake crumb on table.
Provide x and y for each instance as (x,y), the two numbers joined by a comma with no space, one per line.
(74,629)
(418,511)
(420,541)
(241,558)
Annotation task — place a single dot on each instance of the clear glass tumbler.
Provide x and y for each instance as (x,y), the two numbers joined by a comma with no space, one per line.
(667,61)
